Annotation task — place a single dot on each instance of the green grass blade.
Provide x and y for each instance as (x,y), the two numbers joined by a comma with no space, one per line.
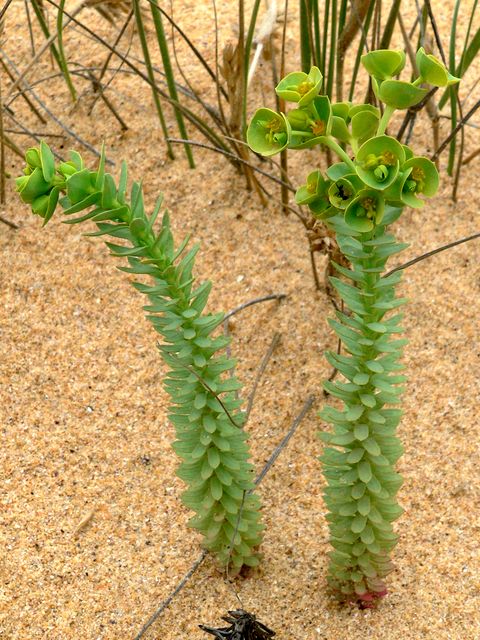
(453,91)
(46,32)
(323,59)
(162,43)
(361,48)
(333,46)
(246,60)
(305,48)
(316,32)
(150,73)
(61,52)
(390,25)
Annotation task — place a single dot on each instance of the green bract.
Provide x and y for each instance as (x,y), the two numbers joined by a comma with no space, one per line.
(378,161)
(399,94)
(433,71)
(205,409)
(311,128)
(32,186)
(269,132)
(383,63)
(365,210)
(312,189)
(300,87)
(343,190)
(364,125)
(422,178)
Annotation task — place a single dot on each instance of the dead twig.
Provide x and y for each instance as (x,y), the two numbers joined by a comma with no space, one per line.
(261,370)
(245,305)
(9,223)
(431,253)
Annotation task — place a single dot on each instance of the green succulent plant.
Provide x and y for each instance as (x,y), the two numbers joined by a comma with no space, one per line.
(201,383)
(358,199)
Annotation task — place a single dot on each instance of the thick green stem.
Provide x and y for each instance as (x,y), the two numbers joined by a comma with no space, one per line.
(385,119)
(359,463)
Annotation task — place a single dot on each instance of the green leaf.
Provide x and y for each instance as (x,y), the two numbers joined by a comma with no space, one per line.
(48,161)
(384,63)
(399,94)
(365,471)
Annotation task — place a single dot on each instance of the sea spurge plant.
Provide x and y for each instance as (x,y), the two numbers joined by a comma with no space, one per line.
(358,199)
(200,381)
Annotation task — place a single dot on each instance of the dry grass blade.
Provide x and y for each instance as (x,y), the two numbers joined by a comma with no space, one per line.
(111,10)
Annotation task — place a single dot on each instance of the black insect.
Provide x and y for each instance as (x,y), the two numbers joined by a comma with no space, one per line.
(243,626)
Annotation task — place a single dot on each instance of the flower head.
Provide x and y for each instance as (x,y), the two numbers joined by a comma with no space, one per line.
(421,178)
(378,161)
(268,132)
(365,210)
(300,87)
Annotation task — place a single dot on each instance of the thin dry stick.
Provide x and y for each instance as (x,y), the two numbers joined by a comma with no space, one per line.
(30,30)
(316,277)
(2,151)
(285,440)
(11,145)
(272,459)
(176,591)
(4,8)
(44,134)
(470,157)
(285,196)
(74,11)
(424,256)
(109,57)
(22,93)
(245,305)
(70,132)
(228,154)
(27,131)
(274,296)
(9,223)
(260,372)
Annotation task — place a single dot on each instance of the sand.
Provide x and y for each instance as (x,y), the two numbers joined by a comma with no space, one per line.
(92,531)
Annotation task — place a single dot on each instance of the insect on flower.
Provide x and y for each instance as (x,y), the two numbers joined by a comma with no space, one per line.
(243,626)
